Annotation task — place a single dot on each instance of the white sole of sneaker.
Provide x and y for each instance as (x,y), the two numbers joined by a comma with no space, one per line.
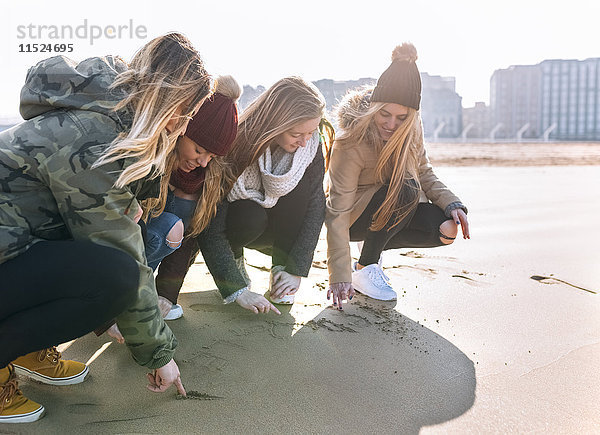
(75,379)
(286,300)
(175,313)
(281,302)
(24,418)
(385,298)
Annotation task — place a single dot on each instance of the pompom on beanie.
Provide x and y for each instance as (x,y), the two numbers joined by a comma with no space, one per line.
(401,82)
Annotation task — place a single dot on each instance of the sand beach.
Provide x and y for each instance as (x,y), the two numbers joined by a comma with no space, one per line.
(472,345)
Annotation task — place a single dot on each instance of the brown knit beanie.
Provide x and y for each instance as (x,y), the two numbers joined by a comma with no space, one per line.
(401,82)
(214,127)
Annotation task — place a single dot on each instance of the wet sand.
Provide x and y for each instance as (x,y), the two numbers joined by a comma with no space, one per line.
(473,344)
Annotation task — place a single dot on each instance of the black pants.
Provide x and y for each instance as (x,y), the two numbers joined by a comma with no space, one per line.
(419,229)
(272,231)
(60,290)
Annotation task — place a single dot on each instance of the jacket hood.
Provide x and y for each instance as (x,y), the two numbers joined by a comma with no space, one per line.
(61,83)
(354,104)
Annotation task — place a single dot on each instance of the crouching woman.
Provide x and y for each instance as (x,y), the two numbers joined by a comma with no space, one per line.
(96,135)
(382,189)
(276,206)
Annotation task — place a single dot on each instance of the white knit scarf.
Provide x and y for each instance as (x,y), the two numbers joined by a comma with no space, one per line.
(274,174)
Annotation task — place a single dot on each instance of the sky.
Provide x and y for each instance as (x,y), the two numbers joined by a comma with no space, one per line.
(260,41)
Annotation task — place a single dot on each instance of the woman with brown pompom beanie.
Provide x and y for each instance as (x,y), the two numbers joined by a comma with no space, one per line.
(382,189)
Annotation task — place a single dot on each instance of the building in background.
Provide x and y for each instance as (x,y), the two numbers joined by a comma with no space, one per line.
(334,90)
(477,121)
(515,101)
(441,107)
(570,99)
(555,99)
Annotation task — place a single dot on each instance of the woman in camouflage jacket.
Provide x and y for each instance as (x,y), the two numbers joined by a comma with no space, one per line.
(97,137)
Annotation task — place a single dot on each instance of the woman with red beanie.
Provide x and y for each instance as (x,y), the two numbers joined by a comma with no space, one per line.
(275,206)
(196,184)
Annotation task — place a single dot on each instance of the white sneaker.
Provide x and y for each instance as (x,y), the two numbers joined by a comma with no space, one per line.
(372,282)
(355,269)
(176,312)
(284,300)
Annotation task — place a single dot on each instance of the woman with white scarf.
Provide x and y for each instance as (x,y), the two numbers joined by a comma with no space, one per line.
(276,205)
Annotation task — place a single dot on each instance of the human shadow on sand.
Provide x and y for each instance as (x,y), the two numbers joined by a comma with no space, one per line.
(365,369)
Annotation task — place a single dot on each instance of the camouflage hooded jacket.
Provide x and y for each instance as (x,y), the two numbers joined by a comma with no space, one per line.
(49,191)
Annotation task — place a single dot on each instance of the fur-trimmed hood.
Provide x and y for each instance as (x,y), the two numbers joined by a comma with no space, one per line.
(354,104)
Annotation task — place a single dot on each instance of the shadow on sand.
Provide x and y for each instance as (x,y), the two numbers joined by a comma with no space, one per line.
(366,369)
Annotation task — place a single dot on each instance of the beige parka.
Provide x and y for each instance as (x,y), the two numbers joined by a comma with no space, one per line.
(352,182)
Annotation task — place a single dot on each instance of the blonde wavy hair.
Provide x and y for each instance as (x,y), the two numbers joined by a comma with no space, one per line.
(398,158)
(165,75)
(288,102)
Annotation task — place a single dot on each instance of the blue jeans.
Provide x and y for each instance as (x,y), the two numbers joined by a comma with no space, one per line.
(176,209)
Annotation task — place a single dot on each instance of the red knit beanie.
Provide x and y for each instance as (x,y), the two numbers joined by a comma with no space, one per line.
(214,127)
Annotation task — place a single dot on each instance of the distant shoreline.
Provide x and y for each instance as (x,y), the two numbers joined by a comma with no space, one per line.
(514,154)
(504,154)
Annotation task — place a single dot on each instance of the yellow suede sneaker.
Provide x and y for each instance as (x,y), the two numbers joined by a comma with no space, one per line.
(14,406)
(46,366)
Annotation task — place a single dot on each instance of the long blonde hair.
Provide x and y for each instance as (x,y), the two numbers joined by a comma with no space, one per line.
(288,102)
(398,158)
(165,75)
